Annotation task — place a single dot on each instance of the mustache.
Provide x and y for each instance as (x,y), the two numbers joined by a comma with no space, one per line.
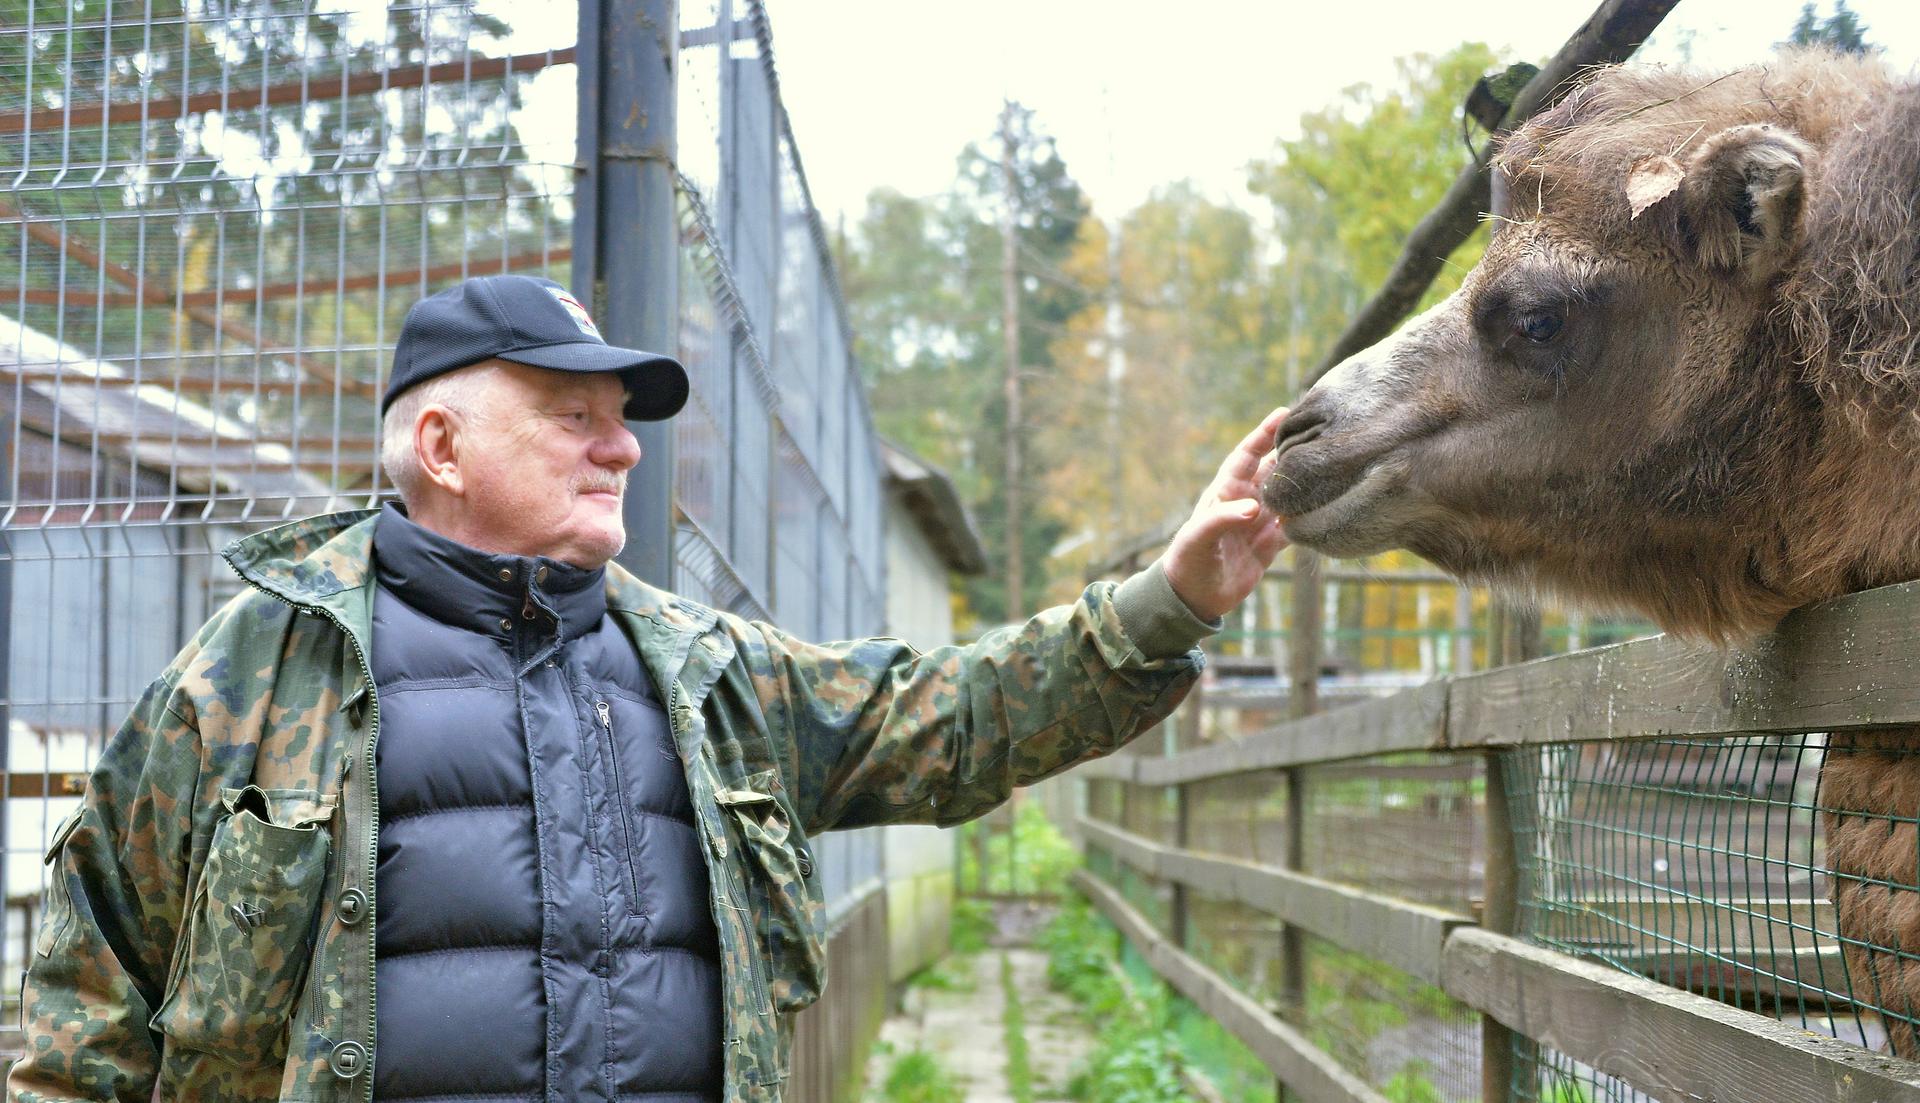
(600,481)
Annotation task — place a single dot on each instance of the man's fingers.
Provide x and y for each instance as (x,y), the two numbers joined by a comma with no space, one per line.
(1260,441)
(1265,469)
(1254,447)
(1221,517)
(1269,542)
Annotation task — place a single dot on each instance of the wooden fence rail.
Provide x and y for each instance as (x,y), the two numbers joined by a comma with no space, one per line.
(1847,664)
(1843,665)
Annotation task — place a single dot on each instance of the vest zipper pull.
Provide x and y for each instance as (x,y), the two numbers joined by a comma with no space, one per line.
(606,716)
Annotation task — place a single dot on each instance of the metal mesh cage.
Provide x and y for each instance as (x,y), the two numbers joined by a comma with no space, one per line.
(216,217)
(1708,866)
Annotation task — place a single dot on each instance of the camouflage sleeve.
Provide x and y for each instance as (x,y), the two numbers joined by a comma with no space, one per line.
(114,901)
(882,733)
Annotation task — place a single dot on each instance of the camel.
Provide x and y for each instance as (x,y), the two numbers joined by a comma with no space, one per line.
(1683,382)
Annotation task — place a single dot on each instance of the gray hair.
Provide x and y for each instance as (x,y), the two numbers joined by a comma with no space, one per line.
(458,390)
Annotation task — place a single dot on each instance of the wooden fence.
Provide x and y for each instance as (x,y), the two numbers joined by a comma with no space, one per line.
(1846,665)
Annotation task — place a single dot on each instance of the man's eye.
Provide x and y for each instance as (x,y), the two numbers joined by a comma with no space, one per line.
(1538,326)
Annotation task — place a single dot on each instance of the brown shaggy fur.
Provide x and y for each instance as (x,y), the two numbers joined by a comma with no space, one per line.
(1842,317)
(1839,317)
(1732,429)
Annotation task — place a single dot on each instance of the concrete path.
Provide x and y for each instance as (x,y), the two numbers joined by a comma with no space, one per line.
(963,1026)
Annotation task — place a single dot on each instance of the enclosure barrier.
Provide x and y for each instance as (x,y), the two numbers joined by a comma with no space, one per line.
(214,217)
(1844,666)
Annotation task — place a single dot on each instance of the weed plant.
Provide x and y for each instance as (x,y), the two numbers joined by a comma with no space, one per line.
(919,1077)
(972,926)
(1034,858)
(1019,1067)
(1136,1058)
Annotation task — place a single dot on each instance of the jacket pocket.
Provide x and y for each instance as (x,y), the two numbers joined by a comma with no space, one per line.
(787,909)
(59,911)
(247,940)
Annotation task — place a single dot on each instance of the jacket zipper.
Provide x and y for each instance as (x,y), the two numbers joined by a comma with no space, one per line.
(605,713)
(373,799)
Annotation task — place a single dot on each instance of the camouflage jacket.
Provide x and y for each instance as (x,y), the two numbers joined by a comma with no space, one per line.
(209,925)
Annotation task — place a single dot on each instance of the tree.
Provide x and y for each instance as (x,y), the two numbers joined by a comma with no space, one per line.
(1152,378)
(1151,340)
(1367,168)
(1841,31)
(922,281)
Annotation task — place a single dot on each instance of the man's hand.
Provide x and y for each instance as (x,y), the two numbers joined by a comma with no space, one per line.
(1219,555)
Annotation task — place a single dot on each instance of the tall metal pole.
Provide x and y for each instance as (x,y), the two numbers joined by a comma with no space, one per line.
(1010,335)
(625,233)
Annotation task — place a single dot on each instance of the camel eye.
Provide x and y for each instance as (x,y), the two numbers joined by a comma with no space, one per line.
(1538,326)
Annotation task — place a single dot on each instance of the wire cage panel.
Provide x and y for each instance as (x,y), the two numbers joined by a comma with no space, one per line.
(1709,866)
(215,217)
(1243,816)
(1404,1036)
(1409,826)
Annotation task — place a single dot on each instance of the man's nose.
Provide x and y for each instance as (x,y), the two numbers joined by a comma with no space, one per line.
(617,448)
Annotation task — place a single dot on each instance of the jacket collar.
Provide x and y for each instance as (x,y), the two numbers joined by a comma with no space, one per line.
(488,594)
(326,563)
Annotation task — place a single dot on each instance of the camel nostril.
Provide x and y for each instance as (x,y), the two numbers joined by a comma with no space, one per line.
(1300,426)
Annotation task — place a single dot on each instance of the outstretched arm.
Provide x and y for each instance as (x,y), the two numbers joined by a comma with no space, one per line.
(882,732)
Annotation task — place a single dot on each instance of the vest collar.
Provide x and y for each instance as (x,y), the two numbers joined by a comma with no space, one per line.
(325,564)
(501,596)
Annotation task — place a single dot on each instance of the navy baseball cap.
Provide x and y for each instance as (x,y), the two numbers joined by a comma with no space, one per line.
(526,320)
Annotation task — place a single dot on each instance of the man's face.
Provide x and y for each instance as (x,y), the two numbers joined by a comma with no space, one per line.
(545,465)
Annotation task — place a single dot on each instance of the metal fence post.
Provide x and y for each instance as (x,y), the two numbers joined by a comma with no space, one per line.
(626,239)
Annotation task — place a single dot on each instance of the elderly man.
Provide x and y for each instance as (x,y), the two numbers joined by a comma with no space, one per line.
(556,820)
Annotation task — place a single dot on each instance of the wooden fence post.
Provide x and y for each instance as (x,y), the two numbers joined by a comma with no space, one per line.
(1513,637)
(1177,918)
(1185,736)
(1497,913)
(1303,699)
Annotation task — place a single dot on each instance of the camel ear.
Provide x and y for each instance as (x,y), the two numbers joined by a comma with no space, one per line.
(1744,196)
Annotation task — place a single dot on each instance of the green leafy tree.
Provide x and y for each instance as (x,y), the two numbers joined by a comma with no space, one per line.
(922,278)
(1364,171)
(1840,31)
(1215,317)
(1176,334)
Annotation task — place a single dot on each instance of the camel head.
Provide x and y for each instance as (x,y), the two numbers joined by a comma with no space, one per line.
(1619,407)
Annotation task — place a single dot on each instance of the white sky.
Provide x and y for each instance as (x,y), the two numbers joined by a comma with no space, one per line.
(1137,94)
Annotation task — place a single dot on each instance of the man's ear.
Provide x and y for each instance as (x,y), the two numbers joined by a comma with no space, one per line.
(435,433)
(1744,199)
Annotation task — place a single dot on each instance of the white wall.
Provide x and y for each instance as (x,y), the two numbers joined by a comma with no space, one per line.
(919,859)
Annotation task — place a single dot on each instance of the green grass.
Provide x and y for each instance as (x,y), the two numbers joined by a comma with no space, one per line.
(1136,1058)
(972,926)
(949,974)
(1019,1070)
(1034,858)
(919,1077)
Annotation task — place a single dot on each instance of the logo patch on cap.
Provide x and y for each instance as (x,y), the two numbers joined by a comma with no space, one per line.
(577,312)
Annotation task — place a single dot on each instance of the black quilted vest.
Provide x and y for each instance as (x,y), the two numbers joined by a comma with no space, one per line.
(543,927)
